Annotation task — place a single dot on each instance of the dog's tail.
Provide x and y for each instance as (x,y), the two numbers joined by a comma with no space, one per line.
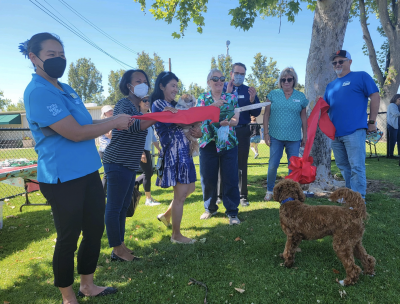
(351,200)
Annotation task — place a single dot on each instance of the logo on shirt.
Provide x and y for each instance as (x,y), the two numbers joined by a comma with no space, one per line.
(346,83)
(54,109)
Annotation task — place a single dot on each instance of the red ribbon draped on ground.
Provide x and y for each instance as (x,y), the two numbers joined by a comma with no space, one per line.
(302,169)
(186,117)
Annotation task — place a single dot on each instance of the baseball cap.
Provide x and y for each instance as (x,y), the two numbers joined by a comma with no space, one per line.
(341,53)
(106,108)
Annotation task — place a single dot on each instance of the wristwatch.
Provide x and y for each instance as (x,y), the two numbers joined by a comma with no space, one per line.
(371,122)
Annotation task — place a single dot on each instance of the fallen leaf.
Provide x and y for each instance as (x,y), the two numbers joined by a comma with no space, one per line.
(1,247)
(122,277)
(202,240)
(238,239)
(335,271)
(130,236)
(243,285)
(109,268)
(47,229)
(136,239)
(342,293)
(190,283)
(239,290)
(5,302)
(230,283)
(141,271)
(129,279)
(12,207)
(137,226)
(298,249)
(107,261)
(281,264)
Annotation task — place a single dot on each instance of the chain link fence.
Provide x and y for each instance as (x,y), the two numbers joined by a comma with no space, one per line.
(373,151)
(18,167)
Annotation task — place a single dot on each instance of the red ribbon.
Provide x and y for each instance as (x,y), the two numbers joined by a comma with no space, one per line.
(186,117)
(302,169)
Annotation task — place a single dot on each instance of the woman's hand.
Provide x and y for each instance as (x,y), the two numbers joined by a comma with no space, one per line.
(303,142)
(123,121)
(170,109)
(143,159)
(224,123)
(196,132)
(267,140)
(218,103)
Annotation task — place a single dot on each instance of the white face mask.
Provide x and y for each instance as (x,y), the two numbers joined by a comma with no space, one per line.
(140,90)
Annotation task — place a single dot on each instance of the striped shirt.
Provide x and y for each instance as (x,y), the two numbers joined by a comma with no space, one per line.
(126,146)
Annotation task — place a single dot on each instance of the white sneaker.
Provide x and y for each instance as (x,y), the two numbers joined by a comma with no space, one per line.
(151,202)
(268,196)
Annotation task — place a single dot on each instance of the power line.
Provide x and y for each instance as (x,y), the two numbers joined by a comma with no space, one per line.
(95,26)
(87,40)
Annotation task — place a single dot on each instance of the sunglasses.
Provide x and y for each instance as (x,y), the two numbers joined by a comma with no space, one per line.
(145,100)
(215,78)
(340,62)
(289,80)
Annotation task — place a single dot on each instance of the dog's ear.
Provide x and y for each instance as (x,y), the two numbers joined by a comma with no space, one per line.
(300,195)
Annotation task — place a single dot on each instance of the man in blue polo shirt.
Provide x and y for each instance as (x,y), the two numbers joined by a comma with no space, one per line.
(348,99)
(246,96)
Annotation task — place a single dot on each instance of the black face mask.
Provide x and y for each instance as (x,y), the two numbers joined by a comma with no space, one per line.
(54,67)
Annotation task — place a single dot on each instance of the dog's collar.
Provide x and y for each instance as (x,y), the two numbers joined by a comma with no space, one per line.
(287,200)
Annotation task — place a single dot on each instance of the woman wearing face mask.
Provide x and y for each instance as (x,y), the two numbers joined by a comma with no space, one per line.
(68,164)
(284,121)
(179,171)
(121,161)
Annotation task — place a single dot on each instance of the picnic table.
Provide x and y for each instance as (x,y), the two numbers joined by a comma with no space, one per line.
(25,177)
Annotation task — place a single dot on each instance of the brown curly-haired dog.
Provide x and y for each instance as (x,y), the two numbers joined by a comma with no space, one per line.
(345,223)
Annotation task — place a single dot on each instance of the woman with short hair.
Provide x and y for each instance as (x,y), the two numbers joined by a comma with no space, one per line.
(285,124)
(121,161)
(392,118)
(68,164)
(217,154)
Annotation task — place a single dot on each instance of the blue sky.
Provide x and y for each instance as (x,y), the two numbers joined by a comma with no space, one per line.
(190,56)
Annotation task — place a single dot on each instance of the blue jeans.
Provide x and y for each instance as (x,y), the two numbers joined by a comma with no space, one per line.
(120,183)
(392,134)
(210,163)
(349,154)
(292,148)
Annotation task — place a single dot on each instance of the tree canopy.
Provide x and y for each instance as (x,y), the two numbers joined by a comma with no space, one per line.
(4,102)
(85,79)
(152,66)
(113,87)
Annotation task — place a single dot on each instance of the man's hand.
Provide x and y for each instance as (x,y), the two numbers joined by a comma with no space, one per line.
(144,158)
(196,132)
(252,93)
(229,87)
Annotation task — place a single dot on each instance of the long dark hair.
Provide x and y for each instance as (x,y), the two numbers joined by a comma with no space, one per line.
(394,98)
(163,78)
(127,78)
(35,43)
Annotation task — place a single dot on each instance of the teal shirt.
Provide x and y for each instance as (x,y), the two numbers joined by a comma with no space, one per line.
(209,130)
(284,120)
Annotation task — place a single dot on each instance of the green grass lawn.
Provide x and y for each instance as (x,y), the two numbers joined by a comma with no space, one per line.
(244,256)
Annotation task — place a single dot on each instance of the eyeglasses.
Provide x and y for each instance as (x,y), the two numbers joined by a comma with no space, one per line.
(215,78)
(334,63)
(289,80)
(145,100)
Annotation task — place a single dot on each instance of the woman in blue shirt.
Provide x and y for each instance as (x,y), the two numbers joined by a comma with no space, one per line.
(283,122)
(68,164)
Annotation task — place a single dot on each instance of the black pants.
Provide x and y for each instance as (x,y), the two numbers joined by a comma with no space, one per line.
(78,206)
(104,180)
(147,172)
(243,137)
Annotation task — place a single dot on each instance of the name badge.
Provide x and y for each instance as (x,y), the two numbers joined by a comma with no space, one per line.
(346,83)
(74,96)
(296,100)
(240,96)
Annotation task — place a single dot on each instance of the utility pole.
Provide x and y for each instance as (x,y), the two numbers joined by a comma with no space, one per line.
(227,47)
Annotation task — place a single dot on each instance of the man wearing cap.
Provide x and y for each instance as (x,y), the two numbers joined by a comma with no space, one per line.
(246,96)
(348,99)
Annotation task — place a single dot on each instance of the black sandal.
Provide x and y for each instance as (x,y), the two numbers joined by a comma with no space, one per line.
(105,292)
(114,257)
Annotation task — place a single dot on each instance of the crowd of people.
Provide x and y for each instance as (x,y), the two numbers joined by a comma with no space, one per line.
(68,159)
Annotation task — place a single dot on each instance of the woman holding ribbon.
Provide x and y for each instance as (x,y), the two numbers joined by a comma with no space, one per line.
(179,171)
(121,161)
(284,121)
(219,151)
(68,165)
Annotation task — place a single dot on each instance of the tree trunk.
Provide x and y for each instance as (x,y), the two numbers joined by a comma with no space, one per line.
(329,27)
